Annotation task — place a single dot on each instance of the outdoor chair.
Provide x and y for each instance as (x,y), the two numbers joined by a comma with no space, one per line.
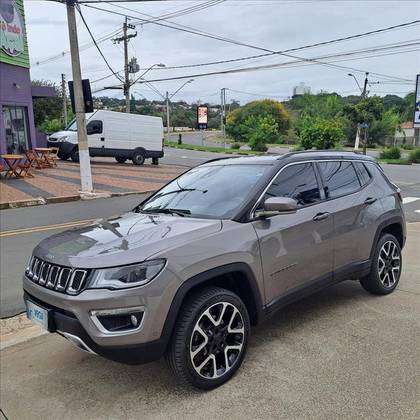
(1,169)
(24,168)
(34,159)
(52,156)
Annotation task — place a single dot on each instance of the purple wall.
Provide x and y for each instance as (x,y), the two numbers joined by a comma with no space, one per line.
(16,89)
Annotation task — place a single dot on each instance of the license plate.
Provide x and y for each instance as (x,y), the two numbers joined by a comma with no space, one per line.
(37,314)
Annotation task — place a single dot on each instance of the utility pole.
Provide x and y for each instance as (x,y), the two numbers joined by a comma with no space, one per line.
(125,38)
(363,96)
(79,103)
(167,116)
(64,97)
(223,114)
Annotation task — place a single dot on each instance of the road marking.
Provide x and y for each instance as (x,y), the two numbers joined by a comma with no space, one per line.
(407,200)
(34,229)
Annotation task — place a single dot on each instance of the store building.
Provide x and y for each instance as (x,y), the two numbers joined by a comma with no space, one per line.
(17,128)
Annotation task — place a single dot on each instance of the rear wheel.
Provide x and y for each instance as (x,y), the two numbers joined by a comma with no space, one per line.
(138,157)
(75,155)
(120,159)
(210,338)
(386,267)
(155,161)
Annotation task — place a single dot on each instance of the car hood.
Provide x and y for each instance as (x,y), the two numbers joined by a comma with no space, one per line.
(128,239)
(59,134)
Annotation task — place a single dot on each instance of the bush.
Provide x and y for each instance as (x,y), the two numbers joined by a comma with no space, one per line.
(320,133)
(52,126)
(414,156)
(391,153)
(261,131)
(407,147)
(235,146)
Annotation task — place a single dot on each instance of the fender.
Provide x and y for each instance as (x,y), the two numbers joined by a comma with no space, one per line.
(202,279)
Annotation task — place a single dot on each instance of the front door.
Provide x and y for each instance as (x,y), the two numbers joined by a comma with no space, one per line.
(95,132)
(16,129)
(296,248)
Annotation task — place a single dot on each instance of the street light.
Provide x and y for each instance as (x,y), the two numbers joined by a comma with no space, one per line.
(354,77)
(147,71)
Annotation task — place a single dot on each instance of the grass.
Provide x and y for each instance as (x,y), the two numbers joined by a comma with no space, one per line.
(395,161)
(209,149)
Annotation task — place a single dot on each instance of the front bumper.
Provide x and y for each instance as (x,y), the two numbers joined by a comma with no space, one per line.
(67,325)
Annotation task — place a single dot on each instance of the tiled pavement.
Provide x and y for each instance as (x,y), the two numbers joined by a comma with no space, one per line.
(64,180)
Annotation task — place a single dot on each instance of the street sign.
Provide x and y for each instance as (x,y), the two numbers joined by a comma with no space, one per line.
(417,104)
(202,117)
(87,96)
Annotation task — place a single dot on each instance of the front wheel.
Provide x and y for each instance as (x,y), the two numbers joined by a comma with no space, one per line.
(210,338)
(75,155)
(386,267)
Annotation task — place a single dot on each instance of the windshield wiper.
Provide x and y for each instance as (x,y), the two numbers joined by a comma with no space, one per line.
(179,212)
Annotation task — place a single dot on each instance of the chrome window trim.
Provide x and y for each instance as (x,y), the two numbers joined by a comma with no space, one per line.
(118,311)
(313,161)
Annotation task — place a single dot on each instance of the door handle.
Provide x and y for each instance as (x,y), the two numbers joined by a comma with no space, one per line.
(370,200)
(102,138)
(321,216)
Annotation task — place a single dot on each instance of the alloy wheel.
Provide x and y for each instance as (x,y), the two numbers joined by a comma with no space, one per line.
(389,264)
(217,340)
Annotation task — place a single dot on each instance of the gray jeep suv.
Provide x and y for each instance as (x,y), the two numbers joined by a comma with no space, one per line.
(218,249)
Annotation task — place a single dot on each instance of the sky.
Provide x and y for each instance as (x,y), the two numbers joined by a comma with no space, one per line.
(274,25)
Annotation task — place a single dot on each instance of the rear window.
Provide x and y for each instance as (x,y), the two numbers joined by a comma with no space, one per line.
(340,178)
(362,172)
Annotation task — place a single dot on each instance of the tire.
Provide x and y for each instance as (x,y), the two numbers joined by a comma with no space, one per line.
(121,159)
(63,156)
(155,161)
(138,157)
(230,312)
(75,155)
(386,267)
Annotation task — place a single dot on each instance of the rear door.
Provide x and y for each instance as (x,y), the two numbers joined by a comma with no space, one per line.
(296,249)
(352,199)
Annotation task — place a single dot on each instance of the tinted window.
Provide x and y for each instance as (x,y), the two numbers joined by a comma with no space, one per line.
(208,191)
(298,182)
(364,175)
(339,178)
(94,127)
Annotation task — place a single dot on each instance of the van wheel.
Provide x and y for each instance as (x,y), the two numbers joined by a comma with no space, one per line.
(138,157)
(75,155)
(155,161)
(63,156)
(120,159)
(210,338)
(386,267)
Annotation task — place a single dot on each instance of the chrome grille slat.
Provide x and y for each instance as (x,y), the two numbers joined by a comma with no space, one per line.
(62,279)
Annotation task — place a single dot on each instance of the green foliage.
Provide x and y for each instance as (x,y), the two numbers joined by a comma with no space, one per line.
(47,108)
(239,122)
(391,153)
(51,126)
(414,156)
(235,146)
(320,133)
(260,131)
(407,147)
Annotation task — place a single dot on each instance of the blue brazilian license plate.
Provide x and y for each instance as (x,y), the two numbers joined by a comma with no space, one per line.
(37,314)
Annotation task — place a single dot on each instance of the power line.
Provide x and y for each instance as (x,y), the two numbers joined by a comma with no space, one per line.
(184,28)
(97,46)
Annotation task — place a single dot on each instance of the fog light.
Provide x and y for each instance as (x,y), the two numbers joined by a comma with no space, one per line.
(118,321)
(134,321)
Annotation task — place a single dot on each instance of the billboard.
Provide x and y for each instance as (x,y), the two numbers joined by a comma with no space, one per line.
(417,104)
(13,42)
(202,117)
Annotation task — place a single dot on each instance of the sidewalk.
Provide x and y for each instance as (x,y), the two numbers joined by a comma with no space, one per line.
(63,182)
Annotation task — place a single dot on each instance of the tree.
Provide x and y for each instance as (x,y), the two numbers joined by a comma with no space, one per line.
(261,130)
(320,133)
(237,121)
(47,109)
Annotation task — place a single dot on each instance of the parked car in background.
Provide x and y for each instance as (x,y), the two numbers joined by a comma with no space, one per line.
(114,134)
(220,248)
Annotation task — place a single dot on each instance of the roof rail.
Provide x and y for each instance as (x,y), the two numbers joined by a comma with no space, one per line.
(331,151)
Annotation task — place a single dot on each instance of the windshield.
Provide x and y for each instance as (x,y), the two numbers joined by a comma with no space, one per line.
(72,125)
(215,192)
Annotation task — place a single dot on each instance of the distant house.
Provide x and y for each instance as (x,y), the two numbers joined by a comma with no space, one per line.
(404,134)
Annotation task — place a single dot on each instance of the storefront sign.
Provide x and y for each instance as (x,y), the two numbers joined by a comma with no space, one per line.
(13,44)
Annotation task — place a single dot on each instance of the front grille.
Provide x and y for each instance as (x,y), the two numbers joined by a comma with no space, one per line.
(56,277)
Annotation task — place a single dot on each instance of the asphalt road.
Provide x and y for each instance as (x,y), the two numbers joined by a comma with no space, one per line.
(36,223)
(339,354)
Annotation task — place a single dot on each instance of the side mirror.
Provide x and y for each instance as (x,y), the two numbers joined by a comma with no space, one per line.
(277,205)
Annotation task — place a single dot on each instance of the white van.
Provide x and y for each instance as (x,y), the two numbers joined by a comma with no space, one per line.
(114,134)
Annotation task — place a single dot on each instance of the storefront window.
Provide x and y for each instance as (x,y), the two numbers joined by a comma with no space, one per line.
(16,127)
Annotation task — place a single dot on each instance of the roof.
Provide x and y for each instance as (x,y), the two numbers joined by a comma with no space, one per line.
(407,124)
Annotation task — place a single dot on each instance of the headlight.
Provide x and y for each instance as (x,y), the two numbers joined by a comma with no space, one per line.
(61,139)
(127,276)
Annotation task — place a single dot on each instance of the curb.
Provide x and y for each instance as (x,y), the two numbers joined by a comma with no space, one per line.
(39,201)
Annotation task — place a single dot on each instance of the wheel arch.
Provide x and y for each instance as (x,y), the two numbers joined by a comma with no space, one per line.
(394,226)
(236,277)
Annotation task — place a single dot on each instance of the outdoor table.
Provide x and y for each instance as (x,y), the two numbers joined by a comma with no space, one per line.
(43,153)
(12,161)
